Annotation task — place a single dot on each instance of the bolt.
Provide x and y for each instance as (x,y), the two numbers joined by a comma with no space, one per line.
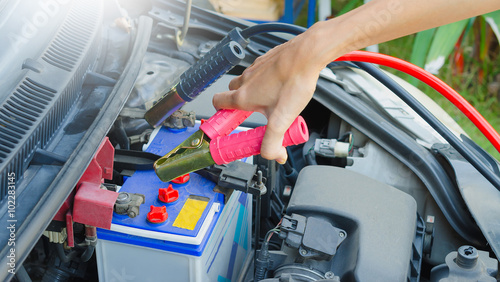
(329,275)
(260,184)
(123,198)
(195,142)
(341,234)
(132,214)
(259,177)
(303,252)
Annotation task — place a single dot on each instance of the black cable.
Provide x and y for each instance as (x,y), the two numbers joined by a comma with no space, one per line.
(431,120)
(272,27)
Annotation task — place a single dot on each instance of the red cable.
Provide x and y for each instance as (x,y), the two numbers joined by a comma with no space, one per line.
(443,88)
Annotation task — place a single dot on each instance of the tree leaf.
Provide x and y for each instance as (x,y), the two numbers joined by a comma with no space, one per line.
(493,19)
(421,45)
(444,39)
(419,51)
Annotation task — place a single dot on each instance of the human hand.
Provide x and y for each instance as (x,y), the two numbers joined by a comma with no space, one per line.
(279,85)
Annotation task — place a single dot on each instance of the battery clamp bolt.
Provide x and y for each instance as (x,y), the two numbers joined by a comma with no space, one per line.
(129,203)
(123,198)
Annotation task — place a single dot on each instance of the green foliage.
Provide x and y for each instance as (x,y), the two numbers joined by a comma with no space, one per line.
(444,38)
(481,64)
(493,19)
(442,44)
(349,5)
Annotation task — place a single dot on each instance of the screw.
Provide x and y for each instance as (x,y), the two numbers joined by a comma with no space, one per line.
(329,275)
(341,234)
(303,252)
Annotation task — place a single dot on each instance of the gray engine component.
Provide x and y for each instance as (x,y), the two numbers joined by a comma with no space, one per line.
(314,237)
(379,219)
(467,264)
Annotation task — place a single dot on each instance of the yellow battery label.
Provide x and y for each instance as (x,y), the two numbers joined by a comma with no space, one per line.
(191,212)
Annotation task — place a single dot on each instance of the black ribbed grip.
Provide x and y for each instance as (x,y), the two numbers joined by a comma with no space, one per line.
(208,69)
(226,54)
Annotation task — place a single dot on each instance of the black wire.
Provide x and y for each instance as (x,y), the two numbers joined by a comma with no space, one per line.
(432,121)
(272,27)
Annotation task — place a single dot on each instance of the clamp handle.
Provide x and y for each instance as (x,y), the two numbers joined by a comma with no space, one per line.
(247,143)
(224,122)
(208,69)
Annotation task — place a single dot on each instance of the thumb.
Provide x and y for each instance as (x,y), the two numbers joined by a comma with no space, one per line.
(272,144)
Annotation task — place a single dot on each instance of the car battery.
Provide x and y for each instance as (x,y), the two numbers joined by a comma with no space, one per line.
(203,237)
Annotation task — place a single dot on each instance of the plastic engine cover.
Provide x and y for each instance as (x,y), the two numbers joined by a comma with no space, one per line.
(379,221)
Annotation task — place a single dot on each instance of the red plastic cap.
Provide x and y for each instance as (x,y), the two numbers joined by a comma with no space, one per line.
(168,195)
(181,179)
(157,214)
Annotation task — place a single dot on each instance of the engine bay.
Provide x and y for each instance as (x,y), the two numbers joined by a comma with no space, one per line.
(375,194)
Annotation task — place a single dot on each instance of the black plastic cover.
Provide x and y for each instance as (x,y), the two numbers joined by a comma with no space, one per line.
(379,219)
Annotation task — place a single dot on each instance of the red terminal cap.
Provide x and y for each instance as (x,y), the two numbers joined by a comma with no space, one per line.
(181,179)
(157,214)
(168,195)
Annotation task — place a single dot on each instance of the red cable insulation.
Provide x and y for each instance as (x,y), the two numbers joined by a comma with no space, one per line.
(444,89)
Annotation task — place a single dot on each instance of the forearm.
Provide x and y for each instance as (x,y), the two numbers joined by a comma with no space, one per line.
(382,20)
(280,83)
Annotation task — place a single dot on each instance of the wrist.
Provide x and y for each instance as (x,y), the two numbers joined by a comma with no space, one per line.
(325,41)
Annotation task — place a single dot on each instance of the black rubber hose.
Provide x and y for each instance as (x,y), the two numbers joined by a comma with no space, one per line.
(262,261)
(87,254)
(272,27)
(62,254)
(118,134)
(291,173)
(431,120)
